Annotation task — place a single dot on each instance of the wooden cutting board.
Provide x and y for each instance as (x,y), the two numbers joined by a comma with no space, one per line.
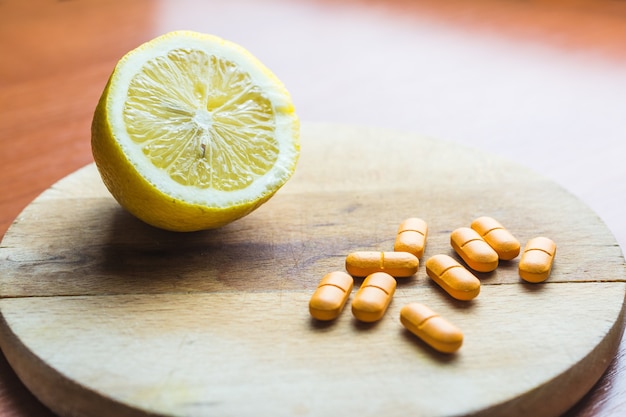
(103,315)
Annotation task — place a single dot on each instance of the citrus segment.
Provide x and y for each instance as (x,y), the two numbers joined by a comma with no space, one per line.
(192,132)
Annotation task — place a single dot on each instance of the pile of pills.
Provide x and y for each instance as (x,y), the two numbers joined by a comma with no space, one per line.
(481,246)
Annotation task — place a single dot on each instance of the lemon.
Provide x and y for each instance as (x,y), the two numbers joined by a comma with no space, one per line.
(192,132)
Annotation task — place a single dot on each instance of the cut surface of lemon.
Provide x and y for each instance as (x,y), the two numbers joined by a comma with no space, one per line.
(192,132)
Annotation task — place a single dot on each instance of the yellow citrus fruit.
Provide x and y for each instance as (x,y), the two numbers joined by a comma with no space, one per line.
(192,132)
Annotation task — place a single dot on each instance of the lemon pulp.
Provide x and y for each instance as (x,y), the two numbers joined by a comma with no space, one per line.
(214,124)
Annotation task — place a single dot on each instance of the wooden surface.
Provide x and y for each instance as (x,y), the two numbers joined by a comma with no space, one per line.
(104,315)
(541,83)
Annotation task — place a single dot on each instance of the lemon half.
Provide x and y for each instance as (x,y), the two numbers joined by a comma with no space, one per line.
(192,132)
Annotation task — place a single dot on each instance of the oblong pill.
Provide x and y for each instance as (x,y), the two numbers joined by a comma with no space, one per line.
(411,237)
(331,295)
(396,264)
(476,253)
(433,329)
(453,277)
(537,258)
(373,297)
(500,239)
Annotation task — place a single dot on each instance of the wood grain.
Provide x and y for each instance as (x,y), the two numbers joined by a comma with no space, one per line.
(104,315)
(214,353)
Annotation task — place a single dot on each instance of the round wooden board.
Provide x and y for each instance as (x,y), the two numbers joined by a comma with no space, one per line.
(103,315)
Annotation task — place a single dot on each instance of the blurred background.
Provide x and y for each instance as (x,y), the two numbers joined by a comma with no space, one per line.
(542,83)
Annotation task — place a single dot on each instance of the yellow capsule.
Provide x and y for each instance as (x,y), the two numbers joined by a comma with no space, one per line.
(373,297)
(331,295)
(476,253)
(500,239)
(411,236)
(453,277)
(396,264)
(433,329)
(537,258)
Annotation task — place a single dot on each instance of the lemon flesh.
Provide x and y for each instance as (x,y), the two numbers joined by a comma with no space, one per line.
(192,132)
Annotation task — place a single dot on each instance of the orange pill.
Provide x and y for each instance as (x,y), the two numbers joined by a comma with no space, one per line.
(331,295)
(537,259)
(433,329)
(396,264)
(476,253)
(500,239)
(411,236)
(373,297)
(453,277)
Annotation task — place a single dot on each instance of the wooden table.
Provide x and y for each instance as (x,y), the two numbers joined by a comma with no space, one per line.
(539,83)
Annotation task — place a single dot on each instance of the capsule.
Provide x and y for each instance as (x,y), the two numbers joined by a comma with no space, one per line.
(396,264)
(411,237)
(373,297)
(500,239)
(433,329)
(453,277)
(537,258)
(476,253)
(331,295)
